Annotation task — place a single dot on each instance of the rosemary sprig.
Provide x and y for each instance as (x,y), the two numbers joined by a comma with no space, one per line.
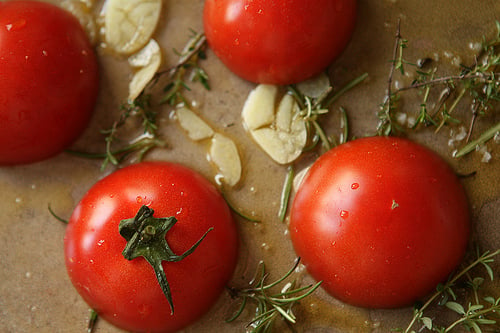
(476,315)
(480,82)
(269,305)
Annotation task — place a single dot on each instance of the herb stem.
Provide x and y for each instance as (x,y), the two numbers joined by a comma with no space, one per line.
(92,321)
(487,135)
(351,84)
(191,49)
(285,194)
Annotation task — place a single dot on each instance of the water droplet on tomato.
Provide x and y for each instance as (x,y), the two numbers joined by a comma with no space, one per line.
(344,214)
(16,25)
(354,186)
(138,199)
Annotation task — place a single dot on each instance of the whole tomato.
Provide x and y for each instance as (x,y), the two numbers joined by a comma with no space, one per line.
(48,81)
(381,221)
(126,292)
(278,41)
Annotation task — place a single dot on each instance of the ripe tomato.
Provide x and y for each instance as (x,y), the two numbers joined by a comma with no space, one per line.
(126,292)
(278,42)
(381,221)
(48,81)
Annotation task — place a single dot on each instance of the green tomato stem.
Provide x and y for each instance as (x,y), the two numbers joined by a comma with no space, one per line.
(145,237)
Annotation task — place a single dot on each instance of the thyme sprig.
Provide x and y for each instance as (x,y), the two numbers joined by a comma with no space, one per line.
(145,108)
(479,81)
(312,108)
(474,314)
(270,305)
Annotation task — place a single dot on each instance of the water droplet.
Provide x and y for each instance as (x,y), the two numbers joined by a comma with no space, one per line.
(138,199)
(354,186)
(16,25)
(344,214)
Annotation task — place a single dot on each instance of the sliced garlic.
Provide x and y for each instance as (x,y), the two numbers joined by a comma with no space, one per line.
(129,24)
(280,132)
(197,129)
(224,155)
(316,86)
(148,61)
(258,110)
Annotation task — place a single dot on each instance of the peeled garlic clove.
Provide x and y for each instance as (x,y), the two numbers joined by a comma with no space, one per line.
(282,147)
(129,24)
(285,113)
(258,110)
(148,60)
(279,131)
(224,155)
(197,129)
(316,86)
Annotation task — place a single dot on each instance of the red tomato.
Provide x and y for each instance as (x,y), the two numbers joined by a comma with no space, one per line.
(127,293)
(278,42)
(48,81)
(381,221)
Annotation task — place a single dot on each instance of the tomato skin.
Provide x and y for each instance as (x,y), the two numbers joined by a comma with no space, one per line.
(126,293)
(381,221)
(278,42)
(48,82)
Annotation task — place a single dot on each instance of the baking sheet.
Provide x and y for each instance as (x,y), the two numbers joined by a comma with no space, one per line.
(35,292)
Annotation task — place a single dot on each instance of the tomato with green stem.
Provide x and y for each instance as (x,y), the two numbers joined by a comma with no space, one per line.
(147,223)
(48,82)
(278,42)
(381,221)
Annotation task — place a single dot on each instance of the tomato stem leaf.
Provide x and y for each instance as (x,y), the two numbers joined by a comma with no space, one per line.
(145,237)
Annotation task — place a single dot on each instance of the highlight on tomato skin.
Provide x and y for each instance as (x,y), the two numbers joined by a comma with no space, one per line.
(381,221)
(126,292)
(49,82)
(278,42)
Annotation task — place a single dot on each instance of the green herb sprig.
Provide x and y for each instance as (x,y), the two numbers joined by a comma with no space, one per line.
(474,315)
(479,81)
(313,108)
(270,305)
(145,108)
